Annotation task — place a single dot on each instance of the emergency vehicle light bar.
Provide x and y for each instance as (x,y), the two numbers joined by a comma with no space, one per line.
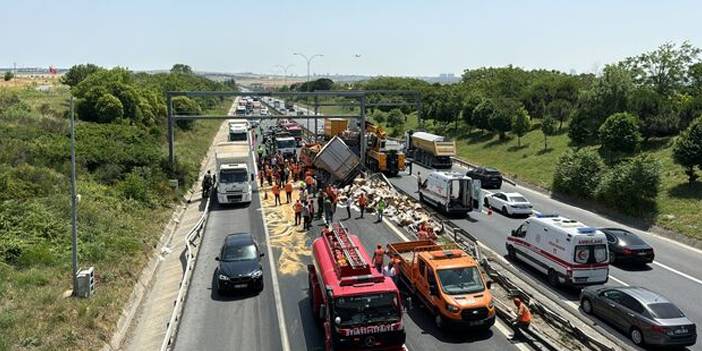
(547,215)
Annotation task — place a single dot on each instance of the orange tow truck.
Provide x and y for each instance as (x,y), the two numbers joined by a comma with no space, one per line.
(448,281)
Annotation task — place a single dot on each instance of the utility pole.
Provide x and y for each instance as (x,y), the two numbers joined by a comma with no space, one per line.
(309,60)
(285,72)
(74,202)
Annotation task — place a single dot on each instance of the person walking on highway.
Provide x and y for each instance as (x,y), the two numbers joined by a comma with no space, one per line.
(389,270)
(349,203)
(207,184)
(320,204)
(309,181)
(297,207)
(288,191)
(306,219)
(522,321)
(380,207)
(362,202)
(378,258)
(419,180)
(328,213)
(276,194)
(310,204)
(409,166)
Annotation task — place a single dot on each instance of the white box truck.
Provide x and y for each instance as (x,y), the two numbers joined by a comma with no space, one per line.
(234,174)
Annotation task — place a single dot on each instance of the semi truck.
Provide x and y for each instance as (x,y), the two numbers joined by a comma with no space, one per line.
(286,145)
(448,281)
(450,192)
(430,150)
(233,173)
(358,308)
(334,127)
(383,155)
(340,164)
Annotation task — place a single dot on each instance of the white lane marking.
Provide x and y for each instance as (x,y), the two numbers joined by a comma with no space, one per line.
(274,275)
(618,280)
(502,328)
(684,275)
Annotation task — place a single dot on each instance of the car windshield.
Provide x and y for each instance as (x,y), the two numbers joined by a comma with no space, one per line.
(518,199)
(627,237)
(353,310)
(665,310)
(286,144)
(237,136)
(239,253)
(232,176)
(464,280)
(295,132)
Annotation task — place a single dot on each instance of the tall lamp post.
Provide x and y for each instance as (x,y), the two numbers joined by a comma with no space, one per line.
(285,72)
(309,60)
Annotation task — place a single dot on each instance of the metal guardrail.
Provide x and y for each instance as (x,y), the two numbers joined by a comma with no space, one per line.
(194,233)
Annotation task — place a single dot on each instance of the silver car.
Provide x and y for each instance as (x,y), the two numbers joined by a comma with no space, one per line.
(645,316)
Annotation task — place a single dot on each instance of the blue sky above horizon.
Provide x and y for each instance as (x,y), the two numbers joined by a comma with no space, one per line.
(393,37)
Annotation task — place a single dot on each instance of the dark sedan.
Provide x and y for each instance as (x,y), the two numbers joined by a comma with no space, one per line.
(239,264)
(645,316)
(627,247)
(490,178)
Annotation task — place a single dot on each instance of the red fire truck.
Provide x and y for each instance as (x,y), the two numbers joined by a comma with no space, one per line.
(357,307)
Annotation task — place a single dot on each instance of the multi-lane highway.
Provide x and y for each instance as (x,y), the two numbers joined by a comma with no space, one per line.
(279,318)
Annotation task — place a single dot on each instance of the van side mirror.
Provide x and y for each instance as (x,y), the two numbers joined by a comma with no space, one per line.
(433,290)
(217,258)
(514,232)
(488,284)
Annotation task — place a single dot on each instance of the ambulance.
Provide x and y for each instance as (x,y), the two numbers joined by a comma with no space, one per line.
(567,251)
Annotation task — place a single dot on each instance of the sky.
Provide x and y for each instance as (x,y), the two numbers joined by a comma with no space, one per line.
(392,37)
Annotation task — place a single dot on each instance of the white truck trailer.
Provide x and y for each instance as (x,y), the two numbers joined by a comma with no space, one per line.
(234,174)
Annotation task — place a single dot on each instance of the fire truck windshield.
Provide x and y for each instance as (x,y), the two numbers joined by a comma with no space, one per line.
(353,310)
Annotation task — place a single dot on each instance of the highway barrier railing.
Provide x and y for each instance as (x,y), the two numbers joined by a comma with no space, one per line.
(191,249)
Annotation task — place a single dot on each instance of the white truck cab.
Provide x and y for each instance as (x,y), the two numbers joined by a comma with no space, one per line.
(238,131)
(234,176)
(286,145)
(450,192)
(567,251)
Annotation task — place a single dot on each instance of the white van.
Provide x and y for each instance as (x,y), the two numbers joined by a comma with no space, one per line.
(565,250)
(450,192)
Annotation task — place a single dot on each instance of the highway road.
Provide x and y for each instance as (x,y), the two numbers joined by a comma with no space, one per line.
(279,318)
(675,272)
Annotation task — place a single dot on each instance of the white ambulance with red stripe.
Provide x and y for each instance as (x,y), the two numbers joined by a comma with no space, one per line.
(567,251)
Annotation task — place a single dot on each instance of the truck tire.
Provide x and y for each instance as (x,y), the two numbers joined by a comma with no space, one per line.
(511,253)
(553,278)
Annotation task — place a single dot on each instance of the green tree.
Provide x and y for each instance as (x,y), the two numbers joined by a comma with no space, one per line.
(184,105)
(501,119)
(45,109)
(620,133)
(8,76)
(181,68)
(578,173)
(521,124)
(687,150)
(559,110)
(470,102)
(666,68)
(548,127)
(231,83)
(78,73)
(379,116)
(482,113)
(632,185)
(109,108)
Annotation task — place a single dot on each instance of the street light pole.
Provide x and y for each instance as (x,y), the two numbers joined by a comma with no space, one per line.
(285,72)
(74,200)
(309,60)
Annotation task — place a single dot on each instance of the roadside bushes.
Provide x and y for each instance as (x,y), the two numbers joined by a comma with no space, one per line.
(578,173)
(630,185)
(620,133)
(687,151)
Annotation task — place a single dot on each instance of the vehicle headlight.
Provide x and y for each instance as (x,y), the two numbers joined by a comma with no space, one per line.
(223,277)
(451,308)
(256,274)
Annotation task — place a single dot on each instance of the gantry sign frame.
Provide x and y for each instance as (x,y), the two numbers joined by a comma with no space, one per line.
(360,95)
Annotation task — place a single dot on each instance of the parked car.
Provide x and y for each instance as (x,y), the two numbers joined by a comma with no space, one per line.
(627,247)
(645,316)
(239,264)
(509,203)
(490,178)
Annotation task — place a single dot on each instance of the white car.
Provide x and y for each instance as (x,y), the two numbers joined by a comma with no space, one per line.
(509,203)
(264,112)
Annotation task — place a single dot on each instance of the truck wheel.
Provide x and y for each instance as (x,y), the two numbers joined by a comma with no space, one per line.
(511,254)
(487,203)
(553,278)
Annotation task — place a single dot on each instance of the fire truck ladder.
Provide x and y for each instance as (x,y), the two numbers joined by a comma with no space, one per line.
(353,256)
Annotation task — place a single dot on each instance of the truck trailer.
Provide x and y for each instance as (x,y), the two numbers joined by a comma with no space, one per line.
(430,150)
(337,159)
(358,308)
(233,174)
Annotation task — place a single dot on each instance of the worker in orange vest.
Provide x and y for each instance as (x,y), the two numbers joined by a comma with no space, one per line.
(276,194)
(523,319)
(362,202)
(288,190)
(378,258)
(309,180)
(297,207)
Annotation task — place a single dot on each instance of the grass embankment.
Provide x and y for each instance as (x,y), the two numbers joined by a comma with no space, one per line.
(678,206)
(116,232)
